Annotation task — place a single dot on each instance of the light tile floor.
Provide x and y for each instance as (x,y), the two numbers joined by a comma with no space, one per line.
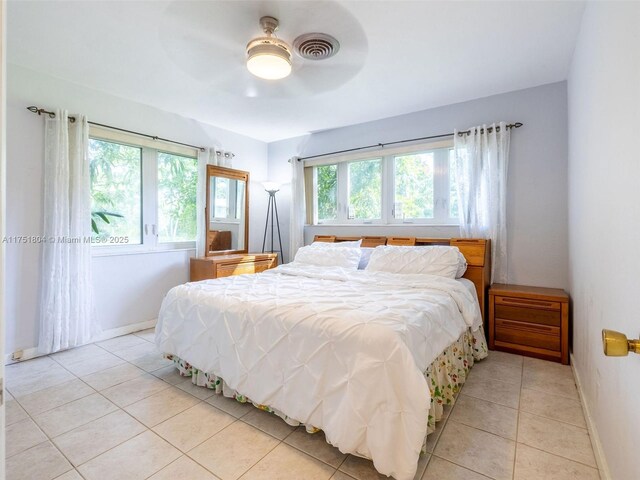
(115,410)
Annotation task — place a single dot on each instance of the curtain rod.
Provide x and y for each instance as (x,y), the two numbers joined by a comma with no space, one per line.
(41,111)
(382,145)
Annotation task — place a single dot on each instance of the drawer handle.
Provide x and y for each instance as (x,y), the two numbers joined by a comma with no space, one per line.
(523,301)
(528,326)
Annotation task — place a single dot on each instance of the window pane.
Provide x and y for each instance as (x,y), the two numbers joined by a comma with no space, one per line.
(365,189)
(240,199)
(413,179)
(220,198)
(327,188)
(177,183)
(116,181)
(453,186)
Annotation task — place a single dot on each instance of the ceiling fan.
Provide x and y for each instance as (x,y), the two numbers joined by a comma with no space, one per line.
(270,58)
(208,41)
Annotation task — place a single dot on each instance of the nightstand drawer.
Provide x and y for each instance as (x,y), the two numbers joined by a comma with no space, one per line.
(527,303)
(533,335)
(528,314)
(227,270)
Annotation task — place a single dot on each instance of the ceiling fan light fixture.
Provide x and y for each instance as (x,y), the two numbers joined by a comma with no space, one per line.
(269,57)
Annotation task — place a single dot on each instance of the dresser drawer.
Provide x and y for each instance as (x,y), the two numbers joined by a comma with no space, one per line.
(530,334)
(226,270)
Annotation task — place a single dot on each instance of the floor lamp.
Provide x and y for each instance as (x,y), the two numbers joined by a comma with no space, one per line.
(271,188)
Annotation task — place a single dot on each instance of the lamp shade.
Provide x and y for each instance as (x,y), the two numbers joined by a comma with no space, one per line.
(271,186)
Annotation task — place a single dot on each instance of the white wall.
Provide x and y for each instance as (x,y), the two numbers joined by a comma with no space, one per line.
(537,196)
(3,144)
(128,288)
(604,222)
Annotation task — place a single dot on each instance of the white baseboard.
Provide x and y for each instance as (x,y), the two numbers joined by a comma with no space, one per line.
(29,353)
(598,451)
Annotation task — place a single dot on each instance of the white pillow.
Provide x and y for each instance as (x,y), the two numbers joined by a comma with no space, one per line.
(366,256)
(435,260)
(462,264)
(354,244)
(344,257)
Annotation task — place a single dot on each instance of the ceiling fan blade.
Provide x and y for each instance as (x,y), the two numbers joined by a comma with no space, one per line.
(208,40)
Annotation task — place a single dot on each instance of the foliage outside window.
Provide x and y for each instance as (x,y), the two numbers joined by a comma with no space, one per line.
(141,197)
(413,176)
(326,178)
(177,185)
(116,188)
(365,189)
(403,186)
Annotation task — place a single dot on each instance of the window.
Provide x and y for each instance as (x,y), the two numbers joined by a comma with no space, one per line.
(365,189)
(413,186)
(405,186)
(177,185)
(326,181)
(220,198)
(453,186)
(116,190)
(227,199)
(141,197)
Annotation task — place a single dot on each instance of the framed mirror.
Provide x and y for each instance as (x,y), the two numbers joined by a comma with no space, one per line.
(227,211)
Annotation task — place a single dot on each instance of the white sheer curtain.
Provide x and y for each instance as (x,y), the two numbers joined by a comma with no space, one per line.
(208,156)
(482,161)
(298,210)
(67,315)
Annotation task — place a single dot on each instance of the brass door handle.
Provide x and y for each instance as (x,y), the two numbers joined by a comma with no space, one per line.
(616,344)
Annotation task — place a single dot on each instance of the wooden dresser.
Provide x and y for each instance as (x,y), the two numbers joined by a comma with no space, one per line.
(219,266)
(532,321)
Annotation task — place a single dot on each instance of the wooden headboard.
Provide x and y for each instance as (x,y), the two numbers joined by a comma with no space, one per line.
(477,251)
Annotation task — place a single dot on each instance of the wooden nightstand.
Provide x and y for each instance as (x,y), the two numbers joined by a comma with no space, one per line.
(219,266)
(532,321)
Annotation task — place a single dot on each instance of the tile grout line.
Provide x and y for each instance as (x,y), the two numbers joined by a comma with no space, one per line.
(560,456)
(200,401)
(147,429)
(311,455)
(95,390)
(462,466)
(555,420)
(565,397)
(515,447)
(490,433)
(76,377)
(151,428)
(50,439)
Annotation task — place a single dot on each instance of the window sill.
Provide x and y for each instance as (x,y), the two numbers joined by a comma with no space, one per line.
(114,252)
(382,225)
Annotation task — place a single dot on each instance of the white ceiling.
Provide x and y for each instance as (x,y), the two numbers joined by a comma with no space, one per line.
(396,56)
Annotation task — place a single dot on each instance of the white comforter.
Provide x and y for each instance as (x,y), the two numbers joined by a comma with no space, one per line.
(342,351)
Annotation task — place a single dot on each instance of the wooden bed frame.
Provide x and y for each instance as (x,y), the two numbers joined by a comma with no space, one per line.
(477,251)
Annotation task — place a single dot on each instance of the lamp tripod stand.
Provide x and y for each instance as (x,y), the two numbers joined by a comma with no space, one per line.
(272,208)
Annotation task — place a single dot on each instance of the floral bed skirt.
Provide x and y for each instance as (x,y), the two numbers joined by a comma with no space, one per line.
(445,376)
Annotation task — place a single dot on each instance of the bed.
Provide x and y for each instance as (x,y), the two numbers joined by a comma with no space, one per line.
(370,358)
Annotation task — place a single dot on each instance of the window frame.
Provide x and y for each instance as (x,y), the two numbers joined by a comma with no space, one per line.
(149,214)
(442,178)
